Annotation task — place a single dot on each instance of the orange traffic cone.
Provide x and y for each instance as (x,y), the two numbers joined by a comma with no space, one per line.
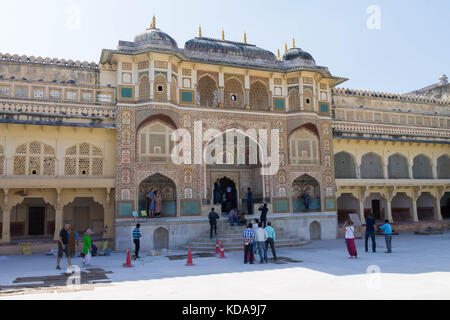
(217,247)
(128,263)
(189,260)
(222,252)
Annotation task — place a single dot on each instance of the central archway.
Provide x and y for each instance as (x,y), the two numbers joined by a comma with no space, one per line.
(306,194)
(167,189)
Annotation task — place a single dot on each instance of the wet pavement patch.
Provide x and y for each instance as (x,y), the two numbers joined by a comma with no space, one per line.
(89,277)
(194,255)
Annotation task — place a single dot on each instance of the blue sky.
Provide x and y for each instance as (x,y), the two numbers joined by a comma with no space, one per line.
(409,51)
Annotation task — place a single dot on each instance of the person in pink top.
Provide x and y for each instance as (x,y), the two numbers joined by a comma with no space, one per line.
(350,239)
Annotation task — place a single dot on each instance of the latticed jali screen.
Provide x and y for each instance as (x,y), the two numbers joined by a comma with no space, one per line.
(83,160)
(34,158)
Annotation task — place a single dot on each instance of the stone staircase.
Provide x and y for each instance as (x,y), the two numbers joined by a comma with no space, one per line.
(232,239)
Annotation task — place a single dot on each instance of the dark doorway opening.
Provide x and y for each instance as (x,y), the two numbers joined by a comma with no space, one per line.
(376,209)
(228,197)
(36,221)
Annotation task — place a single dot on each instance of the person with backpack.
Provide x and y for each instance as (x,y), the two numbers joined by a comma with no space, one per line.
(264,210)
(350,239)
(213,217)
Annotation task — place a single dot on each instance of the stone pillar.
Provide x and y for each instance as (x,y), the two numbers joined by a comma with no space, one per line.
(358,171)
(246,97)
(410,169)
(59,221)
(434,168)
(6,229)
(437,209)
(108,221)
(385,171)
(389,209)
(413,209)
(361,210)
(221,97)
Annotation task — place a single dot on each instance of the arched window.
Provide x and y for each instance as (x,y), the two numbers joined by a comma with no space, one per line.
(443,167)
(308,100)
(160,87)
(294,100)
(83,160)
(371,166)
(422,167)
(304,147)
(398,167)
(174,90)
(34,158)
(344,166)
(2,161)
(155,144)
(233,93)
(144,88)
(207,92)
(259,96)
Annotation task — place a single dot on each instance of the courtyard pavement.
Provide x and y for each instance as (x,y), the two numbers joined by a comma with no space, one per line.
(418,268)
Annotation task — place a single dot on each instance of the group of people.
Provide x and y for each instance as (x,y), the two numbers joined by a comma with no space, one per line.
(370,233)
(155,203)
(66,246)
(258,239)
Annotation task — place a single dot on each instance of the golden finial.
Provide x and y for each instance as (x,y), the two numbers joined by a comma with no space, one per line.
(223,34)
(278,54)
(245,37)
(200,31)
(285,47)
(153,25)
(293,42)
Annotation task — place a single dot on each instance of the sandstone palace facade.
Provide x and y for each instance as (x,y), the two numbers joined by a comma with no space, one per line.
(84,142)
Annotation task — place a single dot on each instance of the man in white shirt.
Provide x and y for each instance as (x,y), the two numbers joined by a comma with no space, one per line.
(261,237)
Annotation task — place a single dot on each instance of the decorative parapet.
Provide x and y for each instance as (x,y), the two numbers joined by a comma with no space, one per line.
(348,127)
(48,61)
(389,96)
(82,111)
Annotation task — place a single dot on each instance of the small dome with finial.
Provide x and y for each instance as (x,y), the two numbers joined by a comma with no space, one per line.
(443,79)
(154,37)
(297,56)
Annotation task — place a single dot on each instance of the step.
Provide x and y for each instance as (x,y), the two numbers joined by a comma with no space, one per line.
(298,243)
(236,238)
(237,243)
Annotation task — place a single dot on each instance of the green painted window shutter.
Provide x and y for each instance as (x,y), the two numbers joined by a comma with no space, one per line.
(126,93)
(330,204)
(324,107)
(279,104)
(186,97)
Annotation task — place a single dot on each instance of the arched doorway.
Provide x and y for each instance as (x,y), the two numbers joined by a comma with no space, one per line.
(160,239)
(347,204)
(85,213)
(33,217)
(305,194)
(228,192)
(315,231)
(167,189)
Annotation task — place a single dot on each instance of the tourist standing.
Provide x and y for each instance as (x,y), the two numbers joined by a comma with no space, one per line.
(217,191)
(270,240)
(213,217)
(264,211)
(350,239)
(152,205)
(249,237)
(158,203)
(234,217)
(137,235)
(63,246)
(261,238)
(73,242)
(250,202)
(87,247)
(370,232)
(387,229)
(255,227)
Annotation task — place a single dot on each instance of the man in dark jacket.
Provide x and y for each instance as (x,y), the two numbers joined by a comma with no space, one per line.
(264,211)
(213,217)
(370,232)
